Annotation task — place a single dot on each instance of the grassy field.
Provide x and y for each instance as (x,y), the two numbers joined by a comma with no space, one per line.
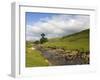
(78,40)
(34,57)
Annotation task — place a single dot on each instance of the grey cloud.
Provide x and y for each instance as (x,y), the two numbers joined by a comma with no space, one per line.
(57,26)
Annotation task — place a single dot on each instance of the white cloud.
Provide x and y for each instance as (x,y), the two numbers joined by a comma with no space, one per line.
(57,25)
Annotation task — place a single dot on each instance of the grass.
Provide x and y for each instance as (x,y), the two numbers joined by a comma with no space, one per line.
(34,58)
(78,40)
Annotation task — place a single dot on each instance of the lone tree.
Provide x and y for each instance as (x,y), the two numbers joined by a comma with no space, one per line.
(43,39)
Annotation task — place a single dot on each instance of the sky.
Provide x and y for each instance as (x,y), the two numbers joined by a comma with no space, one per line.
(54,25)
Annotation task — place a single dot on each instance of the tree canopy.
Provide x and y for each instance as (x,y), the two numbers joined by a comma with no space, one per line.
(43,38)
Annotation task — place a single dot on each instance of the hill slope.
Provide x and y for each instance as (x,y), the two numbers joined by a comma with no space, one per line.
(79,40)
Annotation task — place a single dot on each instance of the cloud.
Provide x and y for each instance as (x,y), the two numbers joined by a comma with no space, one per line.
(56,26)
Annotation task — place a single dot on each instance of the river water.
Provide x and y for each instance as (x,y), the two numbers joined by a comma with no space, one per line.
(54,58)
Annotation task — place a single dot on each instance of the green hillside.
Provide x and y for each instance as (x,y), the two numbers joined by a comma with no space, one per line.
(79,40)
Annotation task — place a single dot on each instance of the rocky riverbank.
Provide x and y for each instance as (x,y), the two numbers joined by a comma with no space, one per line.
(60,56)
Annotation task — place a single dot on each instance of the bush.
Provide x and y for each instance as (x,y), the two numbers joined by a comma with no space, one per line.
(36,42)
(43,40)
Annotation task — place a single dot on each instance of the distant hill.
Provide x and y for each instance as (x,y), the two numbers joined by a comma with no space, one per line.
(84,33)
(79,40)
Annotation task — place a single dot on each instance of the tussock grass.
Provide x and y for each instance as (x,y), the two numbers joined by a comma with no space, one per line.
(34,58)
